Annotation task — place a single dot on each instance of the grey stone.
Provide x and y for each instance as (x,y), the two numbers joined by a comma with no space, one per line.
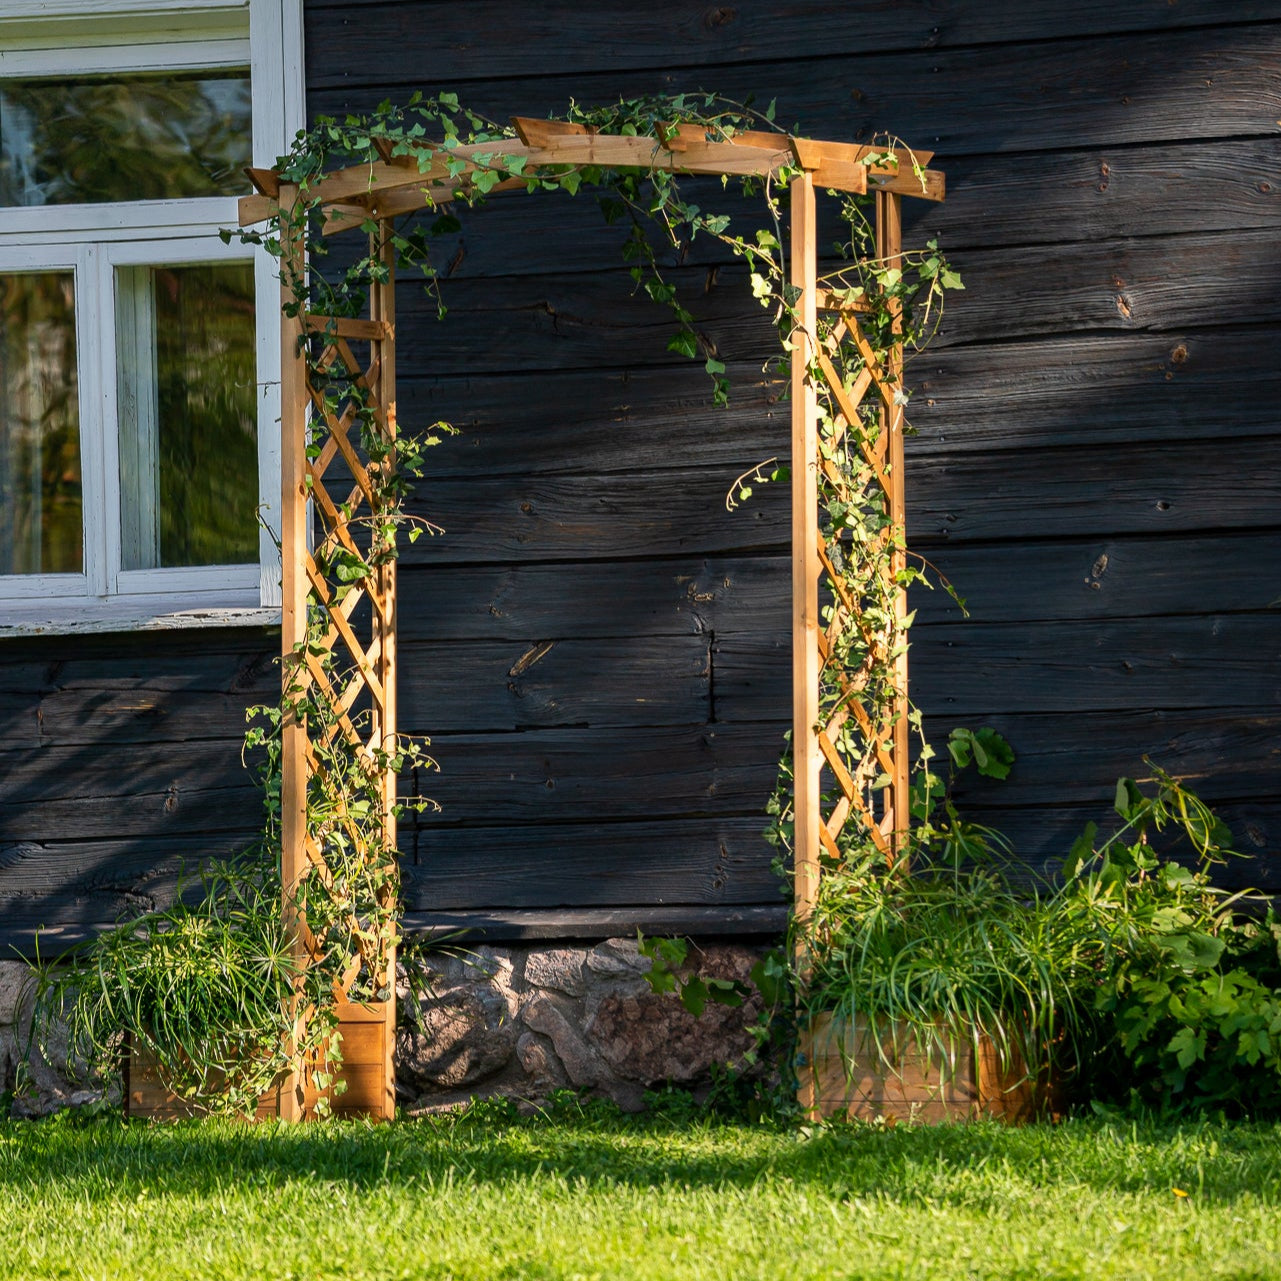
(539,1063)
(582,1065)
(618,958)
(15,986)
(558,968)
(468,1036)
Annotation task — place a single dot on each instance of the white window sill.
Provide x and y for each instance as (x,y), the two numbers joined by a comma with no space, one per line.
(125,614)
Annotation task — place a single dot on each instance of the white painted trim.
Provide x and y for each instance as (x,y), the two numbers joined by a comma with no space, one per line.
(133,614)
(153,220)
(40,587)
(201,51)
(38,37)
(187,580)
(74,10)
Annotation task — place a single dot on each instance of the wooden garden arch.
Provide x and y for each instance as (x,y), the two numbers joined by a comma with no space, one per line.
(399,184)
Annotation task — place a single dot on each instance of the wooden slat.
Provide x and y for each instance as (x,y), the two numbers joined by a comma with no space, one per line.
(383,625)
(537,133)
(806,623)
(293,630)
(348,327)
(889,247)
(265,181)
(616,151)
(931,184)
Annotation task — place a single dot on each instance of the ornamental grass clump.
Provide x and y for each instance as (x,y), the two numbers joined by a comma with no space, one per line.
(207,990)
(942,955)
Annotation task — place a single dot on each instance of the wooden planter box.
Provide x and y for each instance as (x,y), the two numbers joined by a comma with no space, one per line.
(368,1035)
(844,1073)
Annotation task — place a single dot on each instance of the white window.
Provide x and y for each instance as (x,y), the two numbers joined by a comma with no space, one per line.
(139,355)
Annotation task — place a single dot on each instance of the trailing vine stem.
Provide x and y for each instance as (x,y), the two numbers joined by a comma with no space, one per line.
(349,899)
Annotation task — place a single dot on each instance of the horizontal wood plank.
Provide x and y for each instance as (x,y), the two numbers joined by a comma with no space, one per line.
(1129,489)
(633,681)
(152,789)
(497,925)
(1140,87)
(697,860)
(979,670)
(572,775)
(1157,387)
(584,321)
(676,33)
(538,518)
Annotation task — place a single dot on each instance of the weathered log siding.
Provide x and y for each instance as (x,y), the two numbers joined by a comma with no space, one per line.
(598,647)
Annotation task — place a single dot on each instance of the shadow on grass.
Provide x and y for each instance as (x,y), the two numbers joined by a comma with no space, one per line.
(970,1165)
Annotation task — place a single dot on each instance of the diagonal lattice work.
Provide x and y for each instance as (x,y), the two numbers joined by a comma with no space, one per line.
(338,647)
(850,704)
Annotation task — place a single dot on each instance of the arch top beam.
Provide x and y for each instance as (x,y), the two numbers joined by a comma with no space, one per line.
(433,173)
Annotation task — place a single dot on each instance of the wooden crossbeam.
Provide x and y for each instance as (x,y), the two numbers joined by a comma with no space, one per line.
(347,327)
(435,171)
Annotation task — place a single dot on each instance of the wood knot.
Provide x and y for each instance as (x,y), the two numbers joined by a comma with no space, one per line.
(720,17)
(1179,354)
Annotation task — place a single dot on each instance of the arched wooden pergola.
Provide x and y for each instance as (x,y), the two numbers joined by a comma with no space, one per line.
(332,480)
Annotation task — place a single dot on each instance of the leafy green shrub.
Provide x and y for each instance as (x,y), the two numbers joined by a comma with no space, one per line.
(1182,981)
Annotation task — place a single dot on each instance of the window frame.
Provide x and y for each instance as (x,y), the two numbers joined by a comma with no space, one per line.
(50,37)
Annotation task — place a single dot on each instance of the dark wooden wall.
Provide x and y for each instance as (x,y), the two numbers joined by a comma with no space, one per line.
(599,649)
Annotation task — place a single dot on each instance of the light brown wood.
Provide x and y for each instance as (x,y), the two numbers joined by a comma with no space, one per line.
(347,327)
(383,309)
(929,185)
(806,624)
(813,152)
(889,222)
(396,184)
(265,181)
(293,626)
(375,193)
(366,1035)
(537,133)
(888,1076)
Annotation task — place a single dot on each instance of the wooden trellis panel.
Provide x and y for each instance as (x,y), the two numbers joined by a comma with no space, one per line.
(347,669)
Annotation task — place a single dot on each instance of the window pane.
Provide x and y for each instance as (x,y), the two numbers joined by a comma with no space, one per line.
(40,426)
(188,415)
(124,137)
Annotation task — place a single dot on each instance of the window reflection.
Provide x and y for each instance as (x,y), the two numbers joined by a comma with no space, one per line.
(124,137)
(188,415)
(39,426)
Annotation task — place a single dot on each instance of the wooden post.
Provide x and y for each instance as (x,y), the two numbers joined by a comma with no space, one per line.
(383,308)
(889,249)
(293,619)
(806,759)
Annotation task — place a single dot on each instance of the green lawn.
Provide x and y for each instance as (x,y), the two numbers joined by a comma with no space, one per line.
(585,1194)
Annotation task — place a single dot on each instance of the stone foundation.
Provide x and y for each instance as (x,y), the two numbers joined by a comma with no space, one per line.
(525,1020)
(517,1021)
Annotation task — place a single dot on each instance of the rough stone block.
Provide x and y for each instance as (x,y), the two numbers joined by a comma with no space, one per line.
(468,1036)
(15,986)
(582,1065)
(618,958)
(558,968)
